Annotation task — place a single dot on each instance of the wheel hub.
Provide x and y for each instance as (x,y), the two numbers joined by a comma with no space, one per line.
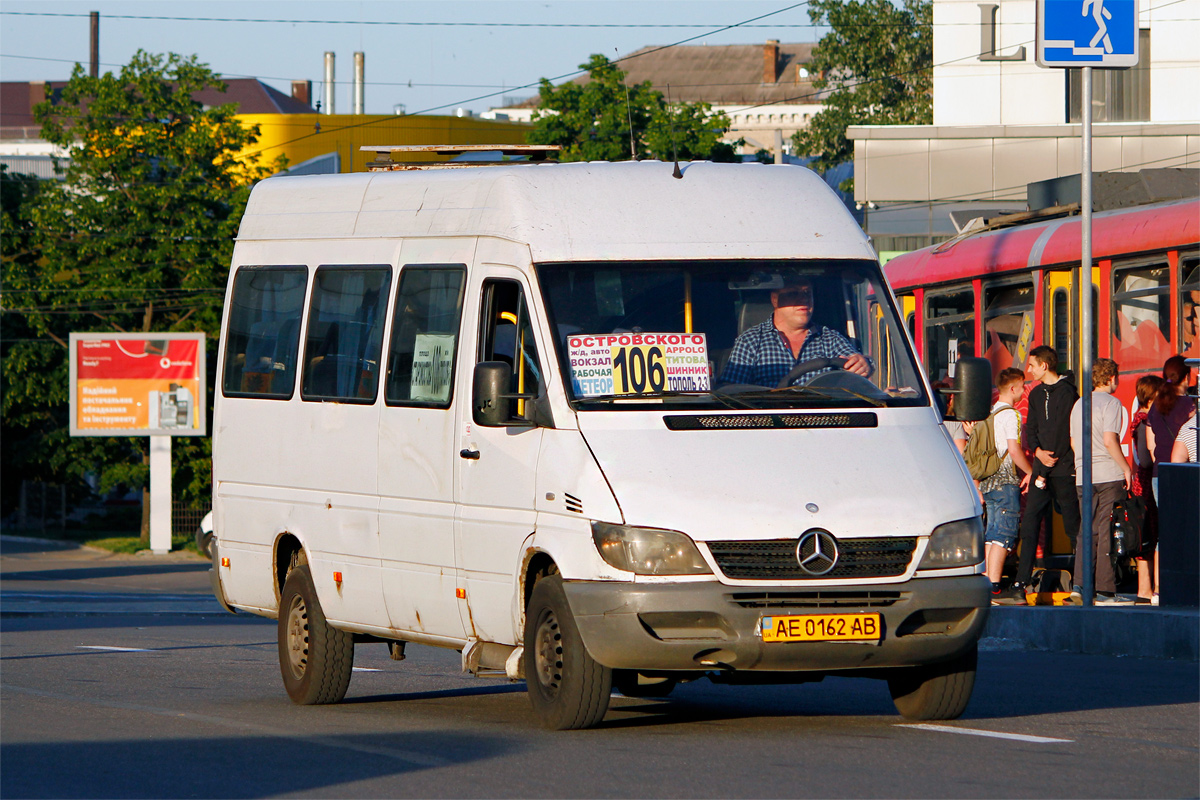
(297,637)
(548,653)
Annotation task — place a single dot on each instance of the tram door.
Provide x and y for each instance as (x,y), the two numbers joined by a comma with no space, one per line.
(1061,308)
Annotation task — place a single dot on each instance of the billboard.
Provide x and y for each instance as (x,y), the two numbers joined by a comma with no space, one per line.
(138,384)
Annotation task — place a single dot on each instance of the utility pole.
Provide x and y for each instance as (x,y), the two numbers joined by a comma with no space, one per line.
(95,48)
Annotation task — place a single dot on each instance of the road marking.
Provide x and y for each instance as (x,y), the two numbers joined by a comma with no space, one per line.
(1019,737)
(365,669)
(114,649)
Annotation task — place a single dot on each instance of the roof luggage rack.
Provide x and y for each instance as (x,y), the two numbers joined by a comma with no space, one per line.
(509,154)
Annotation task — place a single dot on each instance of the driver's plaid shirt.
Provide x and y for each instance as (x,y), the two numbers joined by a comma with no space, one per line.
(761,357)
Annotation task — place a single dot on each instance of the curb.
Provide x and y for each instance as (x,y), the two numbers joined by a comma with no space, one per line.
(1135,632)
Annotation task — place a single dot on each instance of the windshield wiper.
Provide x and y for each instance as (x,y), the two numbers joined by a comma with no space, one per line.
(613,398)
(822,392)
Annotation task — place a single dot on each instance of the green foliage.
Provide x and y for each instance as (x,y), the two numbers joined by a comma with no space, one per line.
(591,121)
(878,63)
(137,236)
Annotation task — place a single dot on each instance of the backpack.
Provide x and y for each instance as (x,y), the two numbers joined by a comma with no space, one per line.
(1128,518)
(1049,587)
(982,459)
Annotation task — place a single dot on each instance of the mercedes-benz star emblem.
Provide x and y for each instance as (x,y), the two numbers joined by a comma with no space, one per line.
(817,552)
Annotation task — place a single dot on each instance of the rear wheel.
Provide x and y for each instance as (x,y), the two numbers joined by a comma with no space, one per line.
(567,688)
(935,691)
(316,660)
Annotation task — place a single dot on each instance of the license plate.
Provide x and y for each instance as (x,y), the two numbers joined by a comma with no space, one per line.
(822,628)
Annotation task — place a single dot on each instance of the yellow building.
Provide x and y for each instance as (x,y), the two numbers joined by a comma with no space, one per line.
(327,143)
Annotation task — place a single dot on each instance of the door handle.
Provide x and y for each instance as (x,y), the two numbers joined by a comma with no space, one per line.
(471,454)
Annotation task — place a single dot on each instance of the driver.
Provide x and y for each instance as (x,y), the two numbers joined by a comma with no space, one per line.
(764,354)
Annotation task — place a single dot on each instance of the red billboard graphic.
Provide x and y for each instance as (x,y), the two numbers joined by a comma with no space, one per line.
(126,384)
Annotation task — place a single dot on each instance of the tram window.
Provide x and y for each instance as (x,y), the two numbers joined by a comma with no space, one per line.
(1060,325)
(1008,325)
(1189,311)
(1141,318)
(949,331)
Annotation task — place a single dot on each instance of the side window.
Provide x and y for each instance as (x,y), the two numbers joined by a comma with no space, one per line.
(949,330)
(425,336)
(1189,310)
(264,332)
(506,334)
(345,333)
(1008,324)
(1141,314)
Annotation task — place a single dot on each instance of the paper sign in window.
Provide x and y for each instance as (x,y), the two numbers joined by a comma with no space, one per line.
(433,365)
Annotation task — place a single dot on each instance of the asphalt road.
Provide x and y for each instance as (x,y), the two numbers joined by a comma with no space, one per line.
(102,701)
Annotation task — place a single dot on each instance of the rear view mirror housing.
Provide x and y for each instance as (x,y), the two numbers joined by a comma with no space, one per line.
(973,389)
(490,396)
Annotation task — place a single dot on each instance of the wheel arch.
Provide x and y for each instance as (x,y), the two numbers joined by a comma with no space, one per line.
(289,552)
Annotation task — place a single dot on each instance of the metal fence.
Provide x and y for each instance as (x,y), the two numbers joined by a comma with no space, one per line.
(185,519)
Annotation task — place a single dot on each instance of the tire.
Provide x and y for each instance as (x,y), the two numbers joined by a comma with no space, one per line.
(626,682)
(315,659)
(204,542)
(935,691)
(567,688)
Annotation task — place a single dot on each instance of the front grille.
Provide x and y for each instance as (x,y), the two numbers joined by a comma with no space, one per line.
(815,599)
(775,559)
(725,422)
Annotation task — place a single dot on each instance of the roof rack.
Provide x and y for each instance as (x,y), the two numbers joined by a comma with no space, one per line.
(980,225)
(509,154)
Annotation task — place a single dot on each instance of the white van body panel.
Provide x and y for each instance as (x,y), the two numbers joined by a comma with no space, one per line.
(708,483)
(634,210)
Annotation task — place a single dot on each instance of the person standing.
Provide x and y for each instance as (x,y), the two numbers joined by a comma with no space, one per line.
(1048,436)
(1170,410)
(1002,490)
(1143,471)
(1110,477)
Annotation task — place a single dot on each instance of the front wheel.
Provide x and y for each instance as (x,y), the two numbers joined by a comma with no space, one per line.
(935,691)
(316,659)
(567,688)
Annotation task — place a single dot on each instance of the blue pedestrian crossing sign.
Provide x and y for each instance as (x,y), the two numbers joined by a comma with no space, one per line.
(1087,33)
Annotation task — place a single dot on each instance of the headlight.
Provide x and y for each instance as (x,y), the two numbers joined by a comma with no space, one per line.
(648,551)
(955,544)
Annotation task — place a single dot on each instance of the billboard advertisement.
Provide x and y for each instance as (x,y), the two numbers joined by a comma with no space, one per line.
(138,384)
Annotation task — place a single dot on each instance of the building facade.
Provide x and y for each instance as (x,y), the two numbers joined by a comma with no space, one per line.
(1000,121)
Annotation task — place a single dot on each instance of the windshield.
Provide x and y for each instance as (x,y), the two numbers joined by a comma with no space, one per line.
(728,334)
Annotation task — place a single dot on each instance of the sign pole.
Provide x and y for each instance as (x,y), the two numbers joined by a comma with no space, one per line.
(1088,583)
(160,494)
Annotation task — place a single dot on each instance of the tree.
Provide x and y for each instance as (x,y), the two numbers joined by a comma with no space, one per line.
(878,63)
(136,236)
(591,121)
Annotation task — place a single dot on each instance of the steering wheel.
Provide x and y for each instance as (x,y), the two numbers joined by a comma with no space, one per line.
(810,366)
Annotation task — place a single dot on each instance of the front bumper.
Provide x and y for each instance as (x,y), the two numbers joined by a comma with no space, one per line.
(711,626)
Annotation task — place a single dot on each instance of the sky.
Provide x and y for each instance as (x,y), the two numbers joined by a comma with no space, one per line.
(477,55)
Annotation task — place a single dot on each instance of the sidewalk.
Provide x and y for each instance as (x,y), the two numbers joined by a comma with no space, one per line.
(1127,630)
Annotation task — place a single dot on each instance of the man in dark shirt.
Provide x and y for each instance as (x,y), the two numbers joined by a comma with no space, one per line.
(1048,435)
(764,354)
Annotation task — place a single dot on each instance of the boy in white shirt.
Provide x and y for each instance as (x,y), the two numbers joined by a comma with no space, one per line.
(1002,490)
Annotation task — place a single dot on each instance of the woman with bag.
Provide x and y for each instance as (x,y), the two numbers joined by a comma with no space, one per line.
(1143,472)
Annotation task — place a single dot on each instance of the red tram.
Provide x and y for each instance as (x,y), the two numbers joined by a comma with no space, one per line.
(1012,288)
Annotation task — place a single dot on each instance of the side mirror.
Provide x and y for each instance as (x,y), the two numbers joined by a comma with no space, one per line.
(490,396)
(973,385)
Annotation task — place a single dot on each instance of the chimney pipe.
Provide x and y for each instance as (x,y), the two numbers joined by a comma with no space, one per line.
(302,91)
(359,72)
(771,61)
(94,71)
(329,85)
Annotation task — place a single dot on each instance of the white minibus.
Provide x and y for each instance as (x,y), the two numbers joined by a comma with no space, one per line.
(595,425)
